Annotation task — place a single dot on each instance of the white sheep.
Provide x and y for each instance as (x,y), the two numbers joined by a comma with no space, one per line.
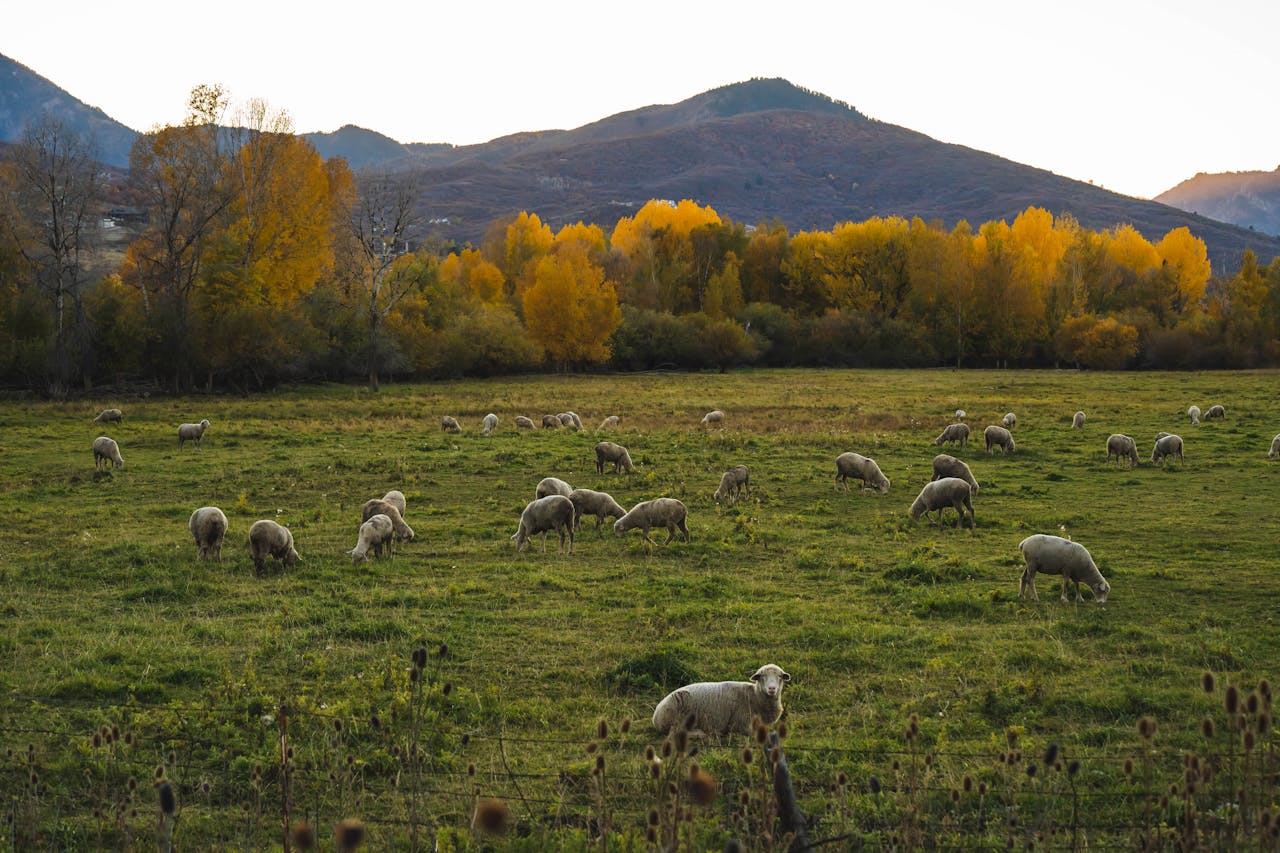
(106,453)
(490,423)
(1194,414)
(552,486)
(1077,420)
(998,436)
(860,467)
(192,432)
(551,422)
(715,416)
(610,422)
(591,502)
(1009,421)
(722,708)
(955,433)
(266,538)
(382,506)
(1122,447)
(1161,435)
(107,416)
(1167,446)
(375,534)
(1275,447)
(1215,412)
(450,424)
(607,451)
(961,414)
(949,466)
(523,423)
(943,493)
(208,526)
(574,421)
(734,483)
(660,512)
(395,497)
(553,512)
(1053,555)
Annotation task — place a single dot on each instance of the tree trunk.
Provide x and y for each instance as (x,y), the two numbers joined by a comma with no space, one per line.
(373,351)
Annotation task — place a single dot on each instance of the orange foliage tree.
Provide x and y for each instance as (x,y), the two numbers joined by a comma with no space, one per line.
(570,310)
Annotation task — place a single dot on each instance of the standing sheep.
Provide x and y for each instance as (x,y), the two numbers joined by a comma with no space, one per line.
(943,493)
(554,512)
(949,466)
(660,512)
(607,451)
(1166,447)
(860,467)
(1009,421)
(208,526)
(733,483)
(192,432)
(552,486)
(523,423)
(381,506)
(954,433)
(610,422)
(375,534)
(961,414)
(722,708)
(1194,414)
(106,453)
(450,424)
(109,416)
(573,419)
(1275,447)
(1122,446)
(998,436)
(1053,555)
(715,416)
(1077,420)
(490,423)
(395,497)
(551,422)
(1215,412)
(599,504)
(266,538)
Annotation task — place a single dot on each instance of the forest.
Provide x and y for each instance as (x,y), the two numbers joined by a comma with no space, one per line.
(254,262)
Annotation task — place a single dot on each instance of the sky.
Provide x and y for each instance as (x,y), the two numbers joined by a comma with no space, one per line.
(1132,95)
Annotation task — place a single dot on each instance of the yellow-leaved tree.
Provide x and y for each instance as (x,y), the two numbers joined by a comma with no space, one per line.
(1186,256)
(571,309)
(470,272)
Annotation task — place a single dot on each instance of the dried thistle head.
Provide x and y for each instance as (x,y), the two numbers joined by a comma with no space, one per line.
(304,837)
(1231,699)
(168,800)
(625,725)
(1207,728)
(1146,728)
(702,787)
(1050,754)
(491,817)
(602,730)
(1206,681)
(348,834)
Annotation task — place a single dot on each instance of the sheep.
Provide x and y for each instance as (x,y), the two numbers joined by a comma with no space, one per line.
(661,512)
(722,708)
(599,504)
(551,422)
(955,433)
(943,493)
(610,422)
(1161,435)
(715,416)
(1077,420)
(109,416)
(523,423)
(382,506)
(1122,446)
(961,414)
(734,483)
(574,421)
(552,486)
(375,533)
(1053,555)
(553,512)
(861,468)
(208,526)
(106,453)
(607,451)
(1215,412)
(1194,414)
(490,423)
(1167,446)
(949,466)
(1275,447)
(192,432)
(1009,421)
(998,436)
(266,538)
(450,424)
(395,497)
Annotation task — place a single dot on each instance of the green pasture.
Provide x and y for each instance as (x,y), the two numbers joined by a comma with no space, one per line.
(109,620)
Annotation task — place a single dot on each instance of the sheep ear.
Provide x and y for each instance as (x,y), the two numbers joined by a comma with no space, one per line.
(786,677)
(755,676)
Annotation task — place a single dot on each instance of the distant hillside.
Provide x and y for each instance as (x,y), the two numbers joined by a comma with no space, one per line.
(1247,199)
(360,147)
(24,94)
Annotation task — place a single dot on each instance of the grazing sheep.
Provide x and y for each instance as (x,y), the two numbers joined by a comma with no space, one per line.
(998,436)
(590,502)
(554,512)
(450,424)
(733,483)
(106,453)
(566,419)
(574,421)
(192,432)
(943,493)
(715,416)
(109,416)
(1161,435)
(1053,555)
(1077,420)
(1122,446)
(490,423)
(955,433)
(1009,421)
(961,414)
(1215,412)
(208,526)
(1166,446)
(660,512)
(523,423)
(722,708)
(266,538)
(552,486)
(610,422)
(949,466)
(1275,447)
(395,497)
(375,533)
(861,468)
(607,451)
(551,422)
(1194,414)
(382,506)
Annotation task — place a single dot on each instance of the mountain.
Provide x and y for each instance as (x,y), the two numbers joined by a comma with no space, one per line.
(1248,199)
(24,94)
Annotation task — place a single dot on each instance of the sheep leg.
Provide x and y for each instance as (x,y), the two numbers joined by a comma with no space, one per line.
(671,534)
(644,534)
(684,528)
(544,541)
(571,541)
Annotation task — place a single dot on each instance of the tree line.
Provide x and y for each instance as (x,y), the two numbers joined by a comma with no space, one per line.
(261,262)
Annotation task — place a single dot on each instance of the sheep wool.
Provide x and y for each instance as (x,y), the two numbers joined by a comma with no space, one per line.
(108,416)
(106,454)
(553,512)
(954,433)
(192,432)
(998,436)
(860,467)
(208,526)
(945,465)
(734,483)
(382,506)
(599,504)
(1122,447)
(375,534)
(268,539)
(607,451)
(552,486)
(721,708)
(660,512)
(1053,555)
(940,494)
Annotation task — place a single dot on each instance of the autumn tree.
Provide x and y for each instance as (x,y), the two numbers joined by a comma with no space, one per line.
(470,271)
(570,310)
(661,269)
(528,240)
(1099,343)
(1187,258)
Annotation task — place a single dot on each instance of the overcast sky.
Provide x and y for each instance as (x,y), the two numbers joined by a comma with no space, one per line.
(1136,96)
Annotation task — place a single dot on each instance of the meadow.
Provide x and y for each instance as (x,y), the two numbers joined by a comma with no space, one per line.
(126,659)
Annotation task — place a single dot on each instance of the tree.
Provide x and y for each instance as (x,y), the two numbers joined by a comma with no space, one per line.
(570,310)
(1188,260)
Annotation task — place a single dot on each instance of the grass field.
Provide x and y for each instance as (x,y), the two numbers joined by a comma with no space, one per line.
(109,621)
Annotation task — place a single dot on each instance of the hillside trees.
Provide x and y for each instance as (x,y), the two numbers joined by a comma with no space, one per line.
(571,309)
